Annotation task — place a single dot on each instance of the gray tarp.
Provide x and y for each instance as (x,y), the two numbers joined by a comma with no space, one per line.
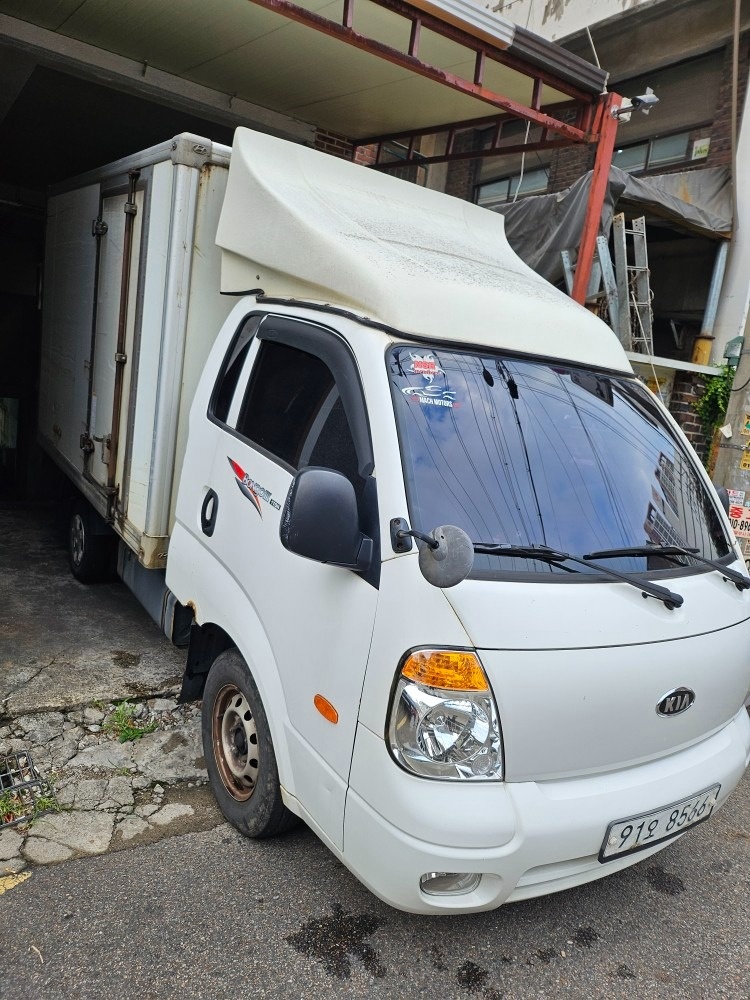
(540,227)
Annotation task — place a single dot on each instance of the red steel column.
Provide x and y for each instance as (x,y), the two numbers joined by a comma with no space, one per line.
(606,126)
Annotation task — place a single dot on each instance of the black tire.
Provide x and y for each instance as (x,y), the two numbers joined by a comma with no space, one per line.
(91,547)
(239,753)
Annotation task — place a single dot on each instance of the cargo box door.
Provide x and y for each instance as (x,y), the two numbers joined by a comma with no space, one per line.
(107,321)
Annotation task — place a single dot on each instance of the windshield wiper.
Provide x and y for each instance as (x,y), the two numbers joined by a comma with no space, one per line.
(545,554)
(673,553)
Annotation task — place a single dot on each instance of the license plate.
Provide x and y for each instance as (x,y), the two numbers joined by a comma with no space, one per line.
(625,836)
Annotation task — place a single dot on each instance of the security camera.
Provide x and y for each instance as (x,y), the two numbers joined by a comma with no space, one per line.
(644,102)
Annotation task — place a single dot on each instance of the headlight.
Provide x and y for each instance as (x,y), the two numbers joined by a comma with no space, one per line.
(443,721)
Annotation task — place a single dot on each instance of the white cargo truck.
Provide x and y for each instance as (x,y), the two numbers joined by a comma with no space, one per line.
(459,593)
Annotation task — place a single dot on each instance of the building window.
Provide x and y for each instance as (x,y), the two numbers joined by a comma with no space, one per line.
(498,193)
(656,153)
(412,170)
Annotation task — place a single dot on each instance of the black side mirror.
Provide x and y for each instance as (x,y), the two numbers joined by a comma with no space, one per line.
(723,498)
(320,520)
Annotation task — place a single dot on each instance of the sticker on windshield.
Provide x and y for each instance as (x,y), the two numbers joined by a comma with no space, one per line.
(425,365)
(428,395)
(252,490)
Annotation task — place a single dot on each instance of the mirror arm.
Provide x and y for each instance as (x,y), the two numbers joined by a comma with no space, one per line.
(401,534)
(427,539)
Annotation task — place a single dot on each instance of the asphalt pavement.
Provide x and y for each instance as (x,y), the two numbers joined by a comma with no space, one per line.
(192,910)
(211,915)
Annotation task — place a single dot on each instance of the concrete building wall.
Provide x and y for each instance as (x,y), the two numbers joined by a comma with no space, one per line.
(558,19)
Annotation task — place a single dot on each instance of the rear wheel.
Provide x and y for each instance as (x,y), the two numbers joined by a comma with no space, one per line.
(239,752)
(91,545)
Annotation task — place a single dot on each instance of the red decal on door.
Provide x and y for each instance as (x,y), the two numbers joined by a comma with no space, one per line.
(244,482)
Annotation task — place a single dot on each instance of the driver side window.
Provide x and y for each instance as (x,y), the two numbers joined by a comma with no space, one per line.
(292,409)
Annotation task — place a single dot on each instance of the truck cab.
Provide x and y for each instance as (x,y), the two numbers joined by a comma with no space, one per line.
(464,599)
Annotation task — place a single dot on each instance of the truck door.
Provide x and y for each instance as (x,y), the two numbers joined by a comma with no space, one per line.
(109,286)
(295,404)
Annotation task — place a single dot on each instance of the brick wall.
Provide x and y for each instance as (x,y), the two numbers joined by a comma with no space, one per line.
(568,164)
(339,145)
(688,388)
(366,155)
(720,152)
(462,175)
(336,145)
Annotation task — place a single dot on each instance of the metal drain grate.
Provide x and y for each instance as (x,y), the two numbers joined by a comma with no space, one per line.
(22,789)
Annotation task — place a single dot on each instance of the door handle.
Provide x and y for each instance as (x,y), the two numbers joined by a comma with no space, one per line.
(209,510)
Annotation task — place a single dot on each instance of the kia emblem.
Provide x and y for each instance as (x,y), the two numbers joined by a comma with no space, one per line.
(675,702)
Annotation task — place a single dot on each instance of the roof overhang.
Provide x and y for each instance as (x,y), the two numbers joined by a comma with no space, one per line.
(359,68)
(407,65)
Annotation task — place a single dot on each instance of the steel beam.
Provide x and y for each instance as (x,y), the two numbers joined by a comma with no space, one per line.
(605,127)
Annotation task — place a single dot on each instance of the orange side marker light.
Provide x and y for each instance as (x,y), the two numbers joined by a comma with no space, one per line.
(326,709)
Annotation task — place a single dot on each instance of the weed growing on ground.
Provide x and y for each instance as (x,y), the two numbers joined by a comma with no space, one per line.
(11,807)
(124,726)
(45,804)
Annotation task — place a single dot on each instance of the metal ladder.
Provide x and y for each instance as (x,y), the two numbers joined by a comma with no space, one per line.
(602,290)
(635,315)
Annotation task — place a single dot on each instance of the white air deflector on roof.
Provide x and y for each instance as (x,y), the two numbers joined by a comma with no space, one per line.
(301,224)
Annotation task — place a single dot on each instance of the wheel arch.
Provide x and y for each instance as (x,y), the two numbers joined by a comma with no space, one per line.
(207,641)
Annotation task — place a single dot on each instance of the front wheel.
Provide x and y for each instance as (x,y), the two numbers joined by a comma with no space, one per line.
(239,753)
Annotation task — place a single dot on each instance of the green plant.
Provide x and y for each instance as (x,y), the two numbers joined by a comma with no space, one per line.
(46,804)
(124,726)
(11,807)
(712,406)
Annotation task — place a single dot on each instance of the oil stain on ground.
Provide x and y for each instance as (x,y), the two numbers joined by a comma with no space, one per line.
(122,658)
(545,955)
(664,881)
(472,978)
(584,937)
(335,939)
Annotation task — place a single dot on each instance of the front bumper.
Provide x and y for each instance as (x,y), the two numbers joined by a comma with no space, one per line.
(525,838)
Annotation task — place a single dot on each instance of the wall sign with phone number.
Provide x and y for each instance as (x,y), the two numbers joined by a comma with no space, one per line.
(739,514)
(739,518)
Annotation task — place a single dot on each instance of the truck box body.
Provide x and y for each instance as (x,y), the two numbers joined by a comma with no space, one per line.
(174,310)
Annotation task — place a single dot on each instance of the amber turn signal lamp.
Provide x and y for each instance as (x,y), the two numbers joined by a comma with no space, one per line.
(450,669)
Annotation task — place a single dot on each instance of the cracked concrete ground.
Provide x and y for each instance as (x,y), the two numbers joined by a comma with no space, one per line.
(63,643)
(70,655)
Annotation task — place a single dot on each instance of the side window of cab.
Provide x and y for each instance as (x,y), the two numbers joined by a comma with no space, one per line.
(293,411)
(231,369)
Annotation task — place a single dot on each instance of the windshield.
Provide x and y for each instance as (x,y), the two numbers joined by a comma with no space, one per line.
(529,452)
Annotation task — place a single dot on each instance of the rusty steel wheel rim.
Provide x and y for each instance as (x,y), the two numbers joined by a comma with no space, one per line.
(235,742)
